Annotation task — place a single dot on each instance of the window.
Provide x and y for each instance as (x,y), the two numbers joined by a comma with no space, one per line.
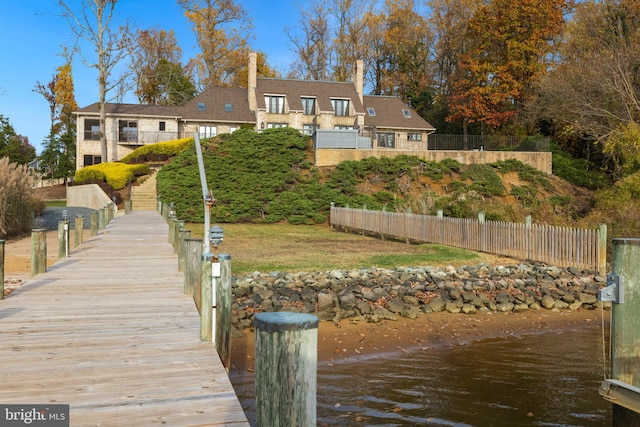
(127,131)
(228,108)
(275,104)
(340,107)
(414,137)
(276,125)
(406,113)
(91,130)
(92,160)
(162,126)
(202,106)
(307,129)
(232,129)
(308,106)
(371,111)
(207,131)
(386,140)
(343,127)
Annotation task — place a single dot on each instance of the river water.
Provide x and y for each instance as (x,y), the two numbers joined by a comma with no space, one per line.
(549,379)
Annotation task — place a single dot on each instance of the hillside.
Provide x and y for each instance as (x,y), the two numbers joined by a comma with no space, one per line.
(268,177)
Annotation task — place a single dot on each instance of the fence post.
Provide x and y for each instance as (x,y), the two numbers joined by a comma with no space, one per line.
(206,299)
(2,269)
(602,250)
(101,218)
(286,368)
(182,246)
(223,311)
(38,251)
(128,206)
(483,232)
(625,324)
(78,231)
(192,268)
(172,229)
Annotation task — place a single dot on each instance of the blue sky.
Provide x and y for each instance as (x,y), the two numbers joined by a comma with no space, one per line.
(33,34)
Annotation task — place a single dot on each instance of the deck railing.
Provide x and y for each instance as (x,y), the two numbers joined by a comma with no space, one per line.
(560,246)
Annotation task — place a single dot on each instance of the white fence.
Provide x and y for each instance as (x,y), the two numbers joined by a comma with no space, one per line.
(560,246)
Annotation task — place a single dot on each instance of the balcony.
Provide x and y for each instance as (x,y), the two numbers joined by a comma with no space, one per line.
(137,138)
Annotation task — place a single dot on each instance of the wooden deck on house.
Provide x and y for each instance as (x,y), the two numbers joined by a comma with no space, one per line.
(110,332)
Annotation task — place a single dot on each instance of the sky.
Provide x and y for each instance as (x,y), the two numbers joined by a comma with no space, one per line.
(34,32)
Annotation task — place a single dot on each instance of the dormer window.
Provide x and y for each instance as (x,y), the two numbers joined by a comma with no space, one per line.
(308,106)
(340,107)
(406,113)
(275,104)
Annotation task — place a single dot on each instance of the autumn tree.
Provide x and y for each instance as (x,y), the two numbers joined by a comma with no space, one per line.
(263,69)
(94,23)
(593,94)
(510,44)
(350,28)
(221,28)
(160,78)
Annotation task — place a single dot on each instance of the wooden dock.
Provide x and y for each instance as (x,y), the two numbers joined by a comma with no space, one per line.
(110,332)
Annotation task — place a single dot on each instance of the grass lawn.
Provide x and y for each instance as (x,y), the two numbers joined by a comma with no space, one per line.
(291,248)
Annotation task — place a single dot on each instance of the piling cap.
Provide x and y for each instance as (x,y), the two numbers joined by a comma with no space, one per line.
(285,321)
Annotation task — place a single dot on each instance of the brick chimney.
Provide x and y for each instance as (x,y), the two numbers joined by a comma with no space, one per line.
(252,81)
(358,78)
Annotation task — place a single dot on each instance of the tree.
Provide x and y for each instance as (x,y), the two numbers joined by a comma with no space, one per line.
(16,147)
(93,23)
(312,47)
(221,28)
(263,69)
(592,96)
(160,78)
(511,43)
(349,35)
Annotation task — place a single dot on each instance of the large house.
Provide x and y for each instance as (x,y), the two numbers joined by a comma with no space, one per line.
(341,119)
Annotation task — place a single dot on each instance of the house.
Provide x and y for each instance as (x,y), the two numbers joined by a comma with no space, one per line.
(338,115)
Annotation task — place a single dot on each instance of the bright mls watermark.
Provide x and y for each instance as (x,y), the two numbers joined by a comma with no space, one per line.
(34,415)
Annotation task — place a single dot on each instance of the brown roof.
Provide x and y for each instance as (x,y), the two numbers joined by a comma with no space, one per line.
(323,91)
(215,99)
(133,110)
(389,114)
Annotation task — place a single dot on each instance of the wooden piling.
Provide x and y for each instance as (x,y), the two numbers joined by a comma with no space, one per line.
(223,311)
(2,269)
(286,368)
(179,225)
(602,250)
(192,268)
(38,251)
(625,326)
(182,247)
(62,244)
(206,300)
(78,231)
(94,224)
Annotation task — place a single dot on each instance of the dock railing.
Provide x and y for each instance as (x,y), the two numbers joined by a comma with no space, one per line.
(561,246)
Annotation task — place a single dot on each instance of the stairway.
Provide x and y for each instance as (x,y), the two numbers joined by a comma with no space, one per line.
(144,196)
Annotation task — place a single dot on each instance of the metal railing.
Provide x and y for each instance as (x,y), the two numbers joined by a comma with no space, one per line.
(487,143)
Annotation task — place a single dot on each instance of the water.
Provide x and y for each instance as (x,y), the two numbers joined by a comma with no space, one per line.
(549,379)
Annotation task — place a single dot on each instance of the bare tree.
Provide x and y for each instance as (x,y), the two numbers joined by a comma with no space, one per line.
(312,46)
(93,22)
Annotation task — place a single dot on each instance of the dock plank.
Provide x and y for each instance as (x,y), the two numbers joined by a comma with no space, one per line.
(110,332)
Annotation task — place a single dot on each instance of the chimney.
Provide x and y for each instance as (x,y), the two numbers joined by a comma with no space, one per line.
(252,81)
(358,78)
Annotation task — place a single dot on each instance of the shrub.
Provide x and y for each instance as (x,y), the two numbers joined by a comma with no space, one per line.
(18,201)
(116,174)
(160,151)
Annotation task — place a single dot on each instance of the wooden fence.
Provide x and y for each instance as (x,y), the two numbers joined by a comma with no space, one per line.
(560,246)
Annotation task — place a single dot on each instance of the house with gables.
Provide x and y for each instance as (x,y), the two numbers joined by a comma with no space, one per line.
(345,123)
